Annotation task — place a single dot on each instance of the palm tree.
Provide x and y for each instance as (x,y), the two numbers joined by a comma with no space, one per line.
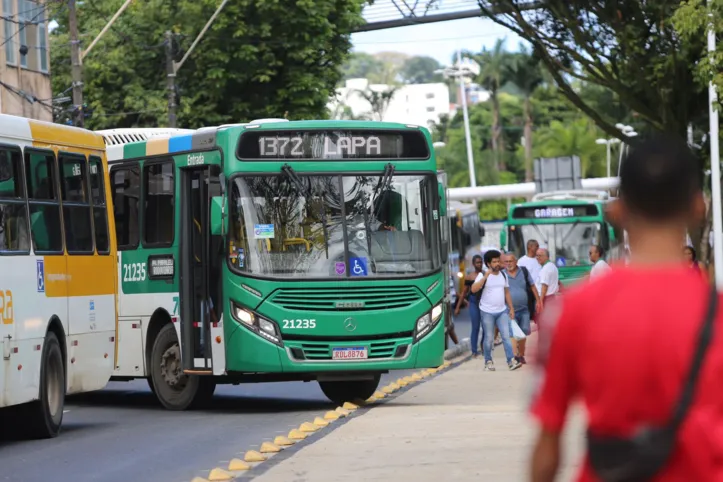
(575,138)
(524,71)
(492,76)
(379,100)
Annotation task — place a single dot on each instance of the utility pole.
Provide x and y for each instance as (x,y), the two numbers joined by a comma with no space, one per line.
(173,67)
(170,80)
(77,66)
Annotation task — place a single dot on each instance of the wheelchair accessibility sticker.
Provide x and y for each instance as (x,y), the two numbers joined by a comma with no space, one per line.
(358,267)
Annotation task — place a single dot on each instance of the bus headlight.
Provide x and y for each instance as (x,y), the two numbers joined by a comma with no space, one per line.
(266,329)
(426,322)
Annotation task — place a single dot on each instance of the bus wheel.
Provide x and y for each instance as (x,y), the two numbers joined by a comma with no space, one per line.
(350,391)
(173,388)
(44,417)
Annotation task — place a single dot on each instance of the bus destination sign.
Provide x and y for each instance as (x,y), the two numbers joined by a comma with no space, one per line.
(554,212)
(318,145)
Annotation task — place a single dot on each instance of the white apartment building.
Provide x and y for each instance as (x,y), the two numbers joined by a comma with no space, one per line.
(418,104)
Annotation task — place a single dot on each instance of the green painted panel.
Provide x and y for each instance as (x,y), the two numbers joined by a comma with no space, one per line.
(135,272)
(133,150)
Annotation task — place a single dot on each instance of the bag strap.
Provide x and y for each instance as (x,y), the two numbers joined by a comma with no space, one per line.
(704,339)
(527,276)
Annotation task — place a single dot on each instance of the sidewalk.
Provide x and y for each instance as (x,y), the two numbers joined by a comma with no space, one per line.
(465,424)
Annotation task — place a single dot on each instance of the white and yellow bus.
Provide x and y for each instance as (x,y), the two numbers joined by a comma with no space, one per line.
(58,271)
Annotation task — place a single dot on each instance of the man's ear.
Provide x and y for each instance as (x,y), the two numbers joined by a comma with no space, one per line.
(615,213)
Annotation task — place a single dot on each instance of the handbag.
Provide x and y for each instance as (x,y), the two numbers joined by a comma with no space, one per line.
(643,456)
(517,332)
(531,303)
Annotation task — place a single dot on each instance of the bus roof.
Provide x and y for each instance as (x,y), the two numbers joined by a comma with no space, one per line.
(140,142)
(42,132)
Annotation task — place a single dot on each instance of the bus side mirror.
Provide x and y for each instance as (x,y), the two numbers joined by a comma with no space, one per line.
(445,251)
(503,237)
(218,228)
(442,200)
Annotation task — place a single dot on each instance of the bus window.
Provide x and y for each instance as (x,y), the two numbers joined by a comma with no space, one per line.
(13,210)
(42,181)
(159,204)
(126,186)
(100,212)
(76,203)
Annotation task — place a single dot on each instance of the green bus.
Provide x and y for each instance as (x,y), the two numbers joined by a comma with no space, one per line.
(278,251)
(567,223)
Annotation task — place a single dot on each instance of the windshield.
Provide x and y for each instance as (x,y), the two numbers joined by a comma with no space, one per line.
(569,243)
(334,226)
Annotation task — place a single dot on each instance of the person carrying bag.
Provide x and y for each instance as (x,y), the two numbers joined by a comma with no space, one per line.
(643,456)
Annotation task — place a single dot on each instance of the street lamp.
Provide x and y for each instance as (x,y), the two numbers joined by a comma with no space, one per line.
(608,143)
(462,71)
(630,132)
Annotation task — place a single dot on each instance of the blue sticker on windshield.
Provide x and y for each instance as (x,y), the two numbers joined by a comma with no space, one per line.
(264,231)
(240,258)
(560,261)
(358,266)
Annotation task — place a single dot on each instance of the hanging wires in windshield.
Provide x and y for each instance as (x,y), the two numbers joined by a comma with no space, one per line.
(383,187)
(289,172)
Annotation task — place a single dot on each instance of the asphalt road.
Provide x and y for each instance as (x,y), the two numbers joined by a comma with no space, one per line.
(122,434)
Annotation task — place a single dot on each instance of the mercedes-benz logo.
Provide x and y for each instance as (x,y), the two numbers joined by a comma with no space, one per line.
(349,324)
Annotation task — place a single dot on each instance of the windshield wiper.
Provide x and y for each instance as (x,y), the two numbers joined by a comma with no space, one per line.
(295,180)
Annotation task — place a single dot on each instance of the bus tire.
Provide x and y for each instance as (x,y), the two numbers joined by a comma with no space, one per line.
(351,390)
(44,416)
(174,389)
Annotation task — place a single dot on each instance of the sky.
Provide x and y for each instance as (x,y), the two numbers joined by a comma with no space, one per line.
(437,40)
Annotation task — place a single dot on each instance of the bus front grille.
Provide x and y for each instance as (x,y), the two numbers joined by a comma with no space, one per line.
(347,298)
(376,350)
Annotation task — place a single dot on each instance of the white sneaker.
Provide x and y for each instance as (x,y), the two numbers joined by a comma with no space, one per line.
(490,366)
(514,364)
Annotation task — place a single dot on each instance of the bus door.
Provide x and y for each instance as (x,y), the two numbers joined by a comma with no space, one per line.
(200,265)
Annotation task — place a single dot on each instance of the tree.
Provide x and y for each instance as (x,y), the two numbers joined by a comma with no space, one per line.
(524,71)
(630,48)
(692,21)
(258,59)
(420,70)
(573,139)
(491,77)
(379,100)
(361,65)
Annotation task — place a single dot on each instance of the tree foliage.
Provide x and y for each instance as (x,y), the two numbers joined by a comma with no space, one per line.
(630,48)
(258,59)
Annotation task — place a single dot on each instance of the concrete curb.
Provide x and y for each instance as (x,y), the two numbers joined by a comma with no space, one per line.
(458,350)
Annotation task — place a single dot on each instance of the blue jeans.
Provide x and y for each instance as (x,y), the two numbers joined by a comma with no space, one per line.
(475,317)
(502,321)
(522,318)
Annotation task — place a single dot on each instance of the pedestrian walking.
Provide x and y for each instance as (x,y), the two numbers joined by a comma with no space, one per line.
(691,258)
(529,260)
(548,281)
(599,266)
(496,308)
(473,299)
(523,293)
(653,413)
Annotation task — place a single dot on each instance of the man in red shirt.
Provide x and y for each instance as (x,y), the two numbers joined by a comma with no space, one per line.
(659,304)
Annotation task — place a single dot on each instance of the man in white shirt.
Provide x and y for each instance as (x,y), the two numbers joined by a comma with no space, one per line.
(529,260)
(548,282)
(599,266)
(495,295)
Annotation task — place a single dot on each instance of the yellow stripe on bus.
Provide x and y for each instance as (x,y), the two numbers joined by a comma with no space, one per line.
(81,276)
(57,134)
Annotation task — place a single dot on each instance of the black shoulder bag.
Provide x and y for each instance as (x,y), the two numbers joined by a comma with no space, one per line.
(531,303)
(642,457)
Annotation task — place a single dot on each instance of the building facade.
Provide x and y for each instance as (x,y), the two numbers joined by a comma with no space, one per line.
(417,104)
(25,88)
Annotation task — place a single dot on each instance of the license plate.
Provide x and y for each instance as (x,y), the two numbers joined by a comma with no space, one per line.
(349,353)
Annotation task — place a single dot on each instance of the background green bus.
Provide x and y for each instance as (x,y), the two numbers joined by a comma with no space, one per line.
(567,223)
(275,251)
